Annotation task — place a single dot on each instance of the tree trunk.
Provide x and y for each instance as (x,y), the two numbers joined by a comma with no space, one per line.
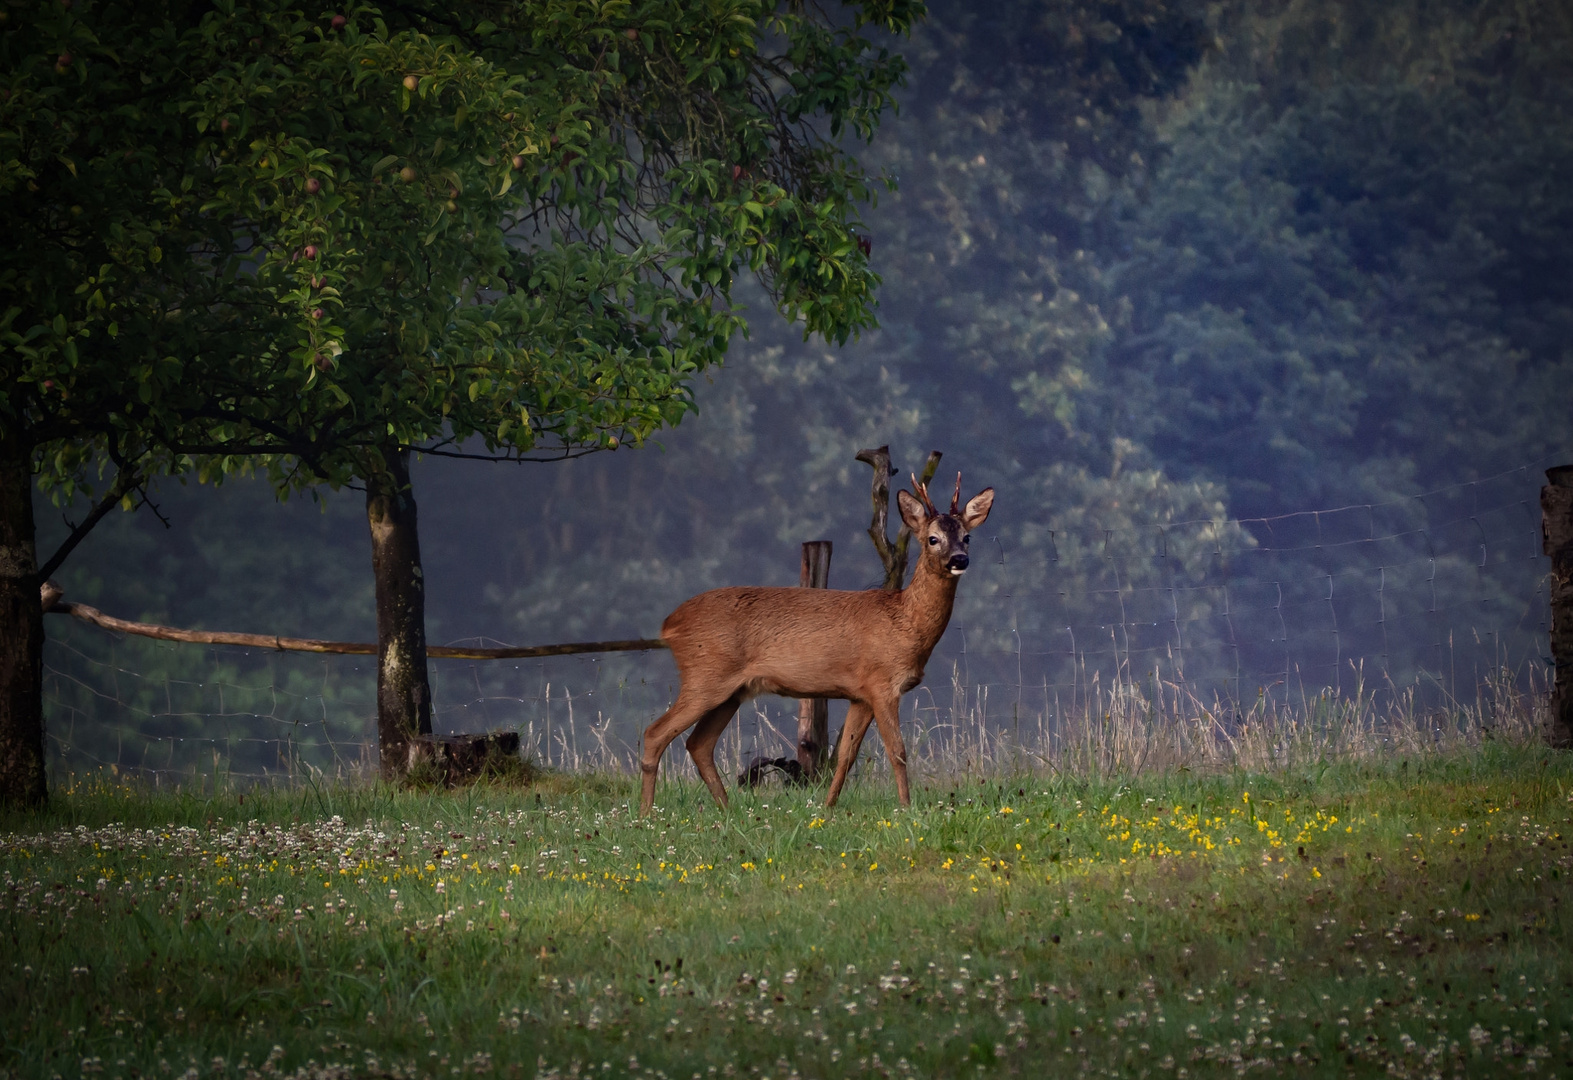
(403,691)
(22,780)
(1556,505)
(813,714)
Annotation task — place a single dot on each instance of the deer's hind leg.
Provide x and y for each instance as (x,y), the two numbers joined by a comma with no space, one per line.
(702,741)
(685,712)
(858,716)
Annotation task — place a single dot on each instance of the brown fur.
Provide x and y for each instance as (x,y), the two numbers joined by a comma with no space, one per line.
(866,647)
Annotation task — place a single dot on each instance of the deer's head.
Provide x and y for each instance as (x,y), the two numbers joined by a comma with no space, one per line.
(943,538)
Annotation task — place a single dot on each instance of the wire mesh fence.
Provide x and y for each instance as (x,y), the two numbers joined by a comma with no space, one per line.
(1402,625)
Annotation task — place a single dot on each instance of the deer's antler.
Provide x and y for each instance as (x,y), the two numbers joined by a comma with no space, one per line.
(955,500)
(921,490)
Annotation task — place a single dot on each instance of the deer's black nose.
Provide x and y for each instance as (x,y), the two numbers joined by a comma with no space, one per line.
(959,561)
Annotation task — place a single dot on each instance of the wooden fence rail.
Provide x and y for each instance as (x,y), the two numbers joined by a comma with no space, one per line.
(51,596)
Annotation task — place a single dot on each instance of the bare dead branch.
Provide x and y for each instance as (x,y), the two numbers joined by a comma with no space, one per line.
(892,555)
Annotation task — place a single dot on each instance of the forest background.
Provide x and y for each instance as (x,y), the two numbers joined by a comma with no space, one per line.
(1156,272)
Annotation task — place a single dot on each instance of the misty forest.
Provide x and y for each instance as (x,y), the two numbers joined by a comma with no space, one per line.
(1256,317)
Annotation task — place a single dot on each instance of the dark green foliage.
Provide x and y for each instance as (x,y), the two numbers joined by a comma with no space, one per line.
(515,226)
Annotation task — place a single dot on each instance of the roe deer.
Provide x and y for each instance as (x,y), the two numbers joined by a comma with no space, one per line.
(866,647)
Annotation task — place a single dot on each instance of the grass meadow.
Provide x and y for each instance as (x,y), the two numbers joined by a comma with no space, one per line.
(1405,916)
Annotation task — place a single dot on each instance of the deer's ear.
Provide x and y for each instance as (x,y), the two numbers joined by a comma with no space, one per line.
(977,511)
(912,512)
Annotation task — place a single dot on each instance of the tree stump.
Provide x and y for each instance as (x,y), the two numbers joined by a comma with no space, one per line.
(462,759)
(762,768)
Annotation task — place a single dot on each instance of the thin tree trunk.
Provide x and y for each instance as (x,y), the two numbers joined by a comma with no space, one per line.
(403,691)
(22,780)
(1556,504)
(813,714)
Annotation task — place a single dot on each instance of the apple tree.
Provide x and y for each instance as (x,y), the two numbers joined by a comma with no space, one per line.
(103,290)
(507,231)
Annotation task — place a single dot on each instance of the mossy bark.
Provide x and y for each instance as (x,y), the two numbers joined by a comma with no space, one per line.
(22,777)
(403,688)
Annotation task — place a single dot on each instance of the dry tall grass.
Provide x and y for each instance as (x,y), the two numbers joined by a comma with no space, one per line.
(1127,727)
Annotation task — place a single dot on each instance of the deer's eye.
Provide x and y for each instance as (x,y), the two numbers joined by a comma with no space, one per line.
(967,539)
(933,541)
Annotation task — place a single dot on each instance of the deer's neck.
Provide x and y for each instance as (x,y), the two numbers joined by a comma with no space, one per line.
(926,603)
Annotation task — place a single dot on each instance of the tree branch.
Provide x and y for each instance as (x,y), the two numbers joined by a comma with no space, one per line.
(566,455)
(893,556)
(879,527)
(126,480)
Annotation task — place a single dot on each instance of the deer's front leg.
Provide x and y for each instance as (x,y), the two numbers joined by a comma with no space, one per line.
(858,716)
(888,716)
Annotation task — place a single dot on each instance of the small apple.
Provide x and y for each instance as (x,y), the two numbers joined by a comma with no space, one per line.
(737,173)
(407,174)
(323,361)
(317,313)
(311,251)
(518,161)
(224,125)
(453,192)
(49,384)
(316,283)
(62,61)
(313,186)
(451,205)
(411,82)
(631,34)
(337,22)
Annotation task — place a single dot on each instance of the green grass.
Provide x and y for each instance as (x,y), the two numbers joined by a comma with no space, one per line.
(1405,917)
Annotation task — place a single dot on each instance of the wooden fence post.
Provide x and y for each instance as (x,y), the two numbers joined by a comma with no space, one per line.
(1556,524)
(813,714)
